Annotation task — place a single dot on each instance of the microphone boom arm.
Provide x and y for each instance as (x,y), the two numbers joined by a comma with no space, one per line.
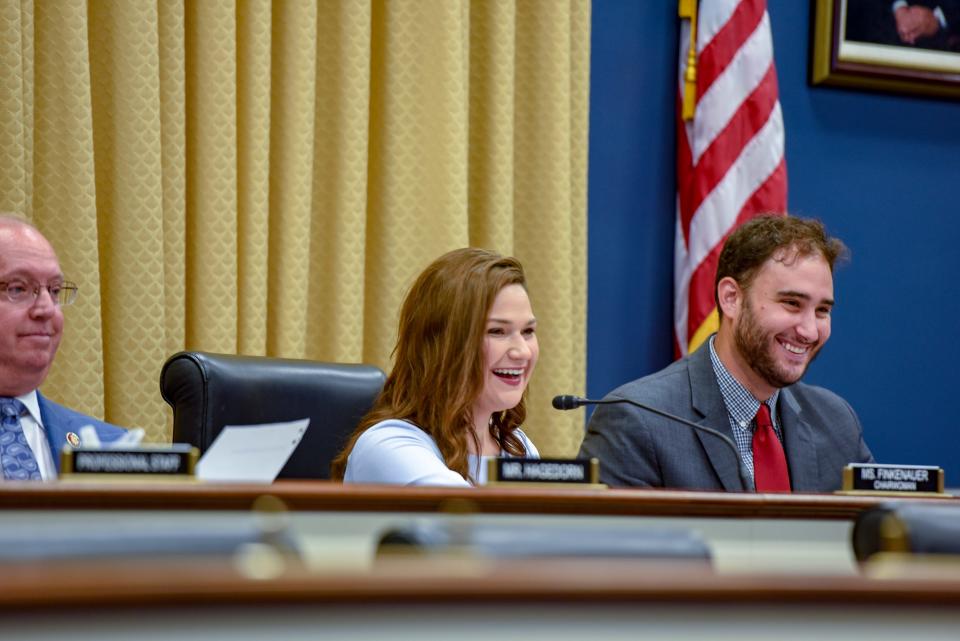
(567,402)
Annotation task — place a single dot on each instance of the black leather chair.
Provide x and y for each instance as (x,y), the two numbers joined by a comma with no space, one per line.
(908,527)
(208,391)
(435,537)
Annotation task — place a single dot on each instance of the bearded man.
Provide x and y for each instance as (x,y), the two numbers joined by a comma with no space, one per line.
(774,295)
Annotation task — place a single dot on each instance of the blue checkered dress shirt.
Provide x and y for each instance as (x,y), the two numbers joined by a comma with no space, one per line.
(742,409)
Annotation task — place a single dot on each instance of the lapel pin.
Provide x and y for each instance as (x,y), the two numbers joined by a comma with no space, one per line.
(73,439)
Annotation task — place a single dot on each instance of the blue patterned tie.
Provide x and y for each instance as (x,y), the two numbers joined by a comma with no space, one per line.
(16,457)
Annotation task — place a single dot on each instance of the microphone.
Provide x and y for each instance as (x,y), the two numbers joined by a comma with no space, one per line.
(568,402)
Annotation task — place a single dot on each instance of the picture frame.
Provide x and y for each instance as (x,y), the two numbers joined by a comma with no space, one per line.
(857,43)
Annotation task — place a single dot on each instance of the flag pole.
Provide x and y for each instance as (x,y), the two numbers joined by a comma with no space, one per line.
(687,10)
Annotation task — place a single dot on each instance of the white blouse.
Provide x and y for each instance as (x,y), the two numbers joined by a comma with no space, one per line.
(399,452)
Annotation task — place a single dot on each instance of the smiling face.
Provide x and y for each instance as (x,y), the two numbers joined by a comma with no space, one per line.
(776,327)
(29,332)
(510,352)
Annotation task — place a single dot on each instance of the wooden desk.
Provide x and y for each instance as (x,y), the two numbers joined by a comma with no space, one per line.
(464,600)
(326,497)
(783,570)
(337,526)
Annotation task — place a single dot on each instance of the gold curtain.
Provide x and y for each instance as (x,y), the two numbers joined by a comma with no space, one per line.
(266,177)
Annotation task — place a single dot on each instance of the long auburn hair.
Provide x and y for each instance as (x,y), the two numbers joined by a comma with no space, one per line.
(439,371)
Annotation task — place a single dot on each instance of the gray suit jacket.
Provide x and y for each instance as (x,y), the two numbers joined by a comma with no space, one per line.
(821,433)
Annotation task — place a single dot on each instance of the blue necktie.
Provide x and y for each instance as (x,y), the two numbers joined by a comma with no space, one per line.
(16,457)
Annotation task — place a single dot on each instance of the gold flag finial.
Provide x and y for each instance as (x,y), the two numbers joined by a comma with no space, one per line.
(687,10)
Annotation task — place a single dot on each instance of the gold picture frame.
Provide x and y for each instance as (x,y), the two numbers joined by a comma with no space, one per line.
(852,48)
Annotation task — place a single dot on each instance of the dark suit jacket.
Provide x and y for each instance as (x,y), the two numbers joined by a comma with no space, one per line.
(58,421)
(821,433)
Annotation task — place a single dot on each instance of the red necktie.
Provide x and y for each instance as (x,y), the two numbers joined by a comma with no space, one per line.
(769,462)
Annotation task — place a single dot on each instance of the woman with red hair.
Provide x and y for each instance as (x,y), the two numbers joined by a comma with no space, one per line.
(466,348)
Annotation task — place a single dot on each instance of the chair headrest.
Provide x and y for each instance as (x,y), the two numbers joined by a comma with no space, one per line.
(914,527)
(500,540)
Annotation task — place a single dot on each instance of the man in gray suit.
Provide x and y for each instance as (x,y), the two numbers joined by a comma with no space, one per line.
(774,294)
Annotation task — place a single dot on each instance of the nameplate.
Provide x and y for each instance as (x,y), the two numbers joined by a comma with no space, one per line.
(177,460)
(892,479)
(540,471)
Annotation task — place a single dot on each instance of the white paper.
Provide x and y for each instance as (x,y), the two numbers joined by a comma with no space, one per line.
(251,453)
(130,439)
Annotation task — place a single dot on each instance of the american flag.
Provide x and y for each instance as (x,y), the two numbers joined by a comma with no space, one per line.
(730,162)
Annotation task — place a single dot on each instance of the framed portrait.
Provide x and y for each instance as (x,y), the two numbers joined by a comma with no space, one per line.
(904,46)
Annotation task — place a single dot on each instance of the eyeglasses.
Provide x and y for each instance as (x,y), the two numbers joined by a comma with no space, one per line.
(20,292)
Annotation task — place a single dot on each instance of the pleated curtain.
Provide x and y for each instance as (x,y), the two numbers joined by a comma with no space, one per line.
(267,178)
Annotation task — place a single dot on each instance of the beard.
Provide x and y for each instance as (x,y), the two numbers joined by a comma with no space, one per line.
(756,347)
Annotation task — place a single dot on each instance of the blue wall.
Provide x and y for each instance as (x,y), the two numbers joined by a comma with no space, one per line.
(878,169)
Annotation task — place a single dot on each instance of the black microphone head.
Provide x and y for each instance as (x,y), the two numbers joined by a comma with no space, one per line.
(567,402)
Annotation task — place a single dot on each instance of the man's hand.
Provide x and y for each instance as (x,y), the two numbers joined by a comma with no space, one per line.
(915,22)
